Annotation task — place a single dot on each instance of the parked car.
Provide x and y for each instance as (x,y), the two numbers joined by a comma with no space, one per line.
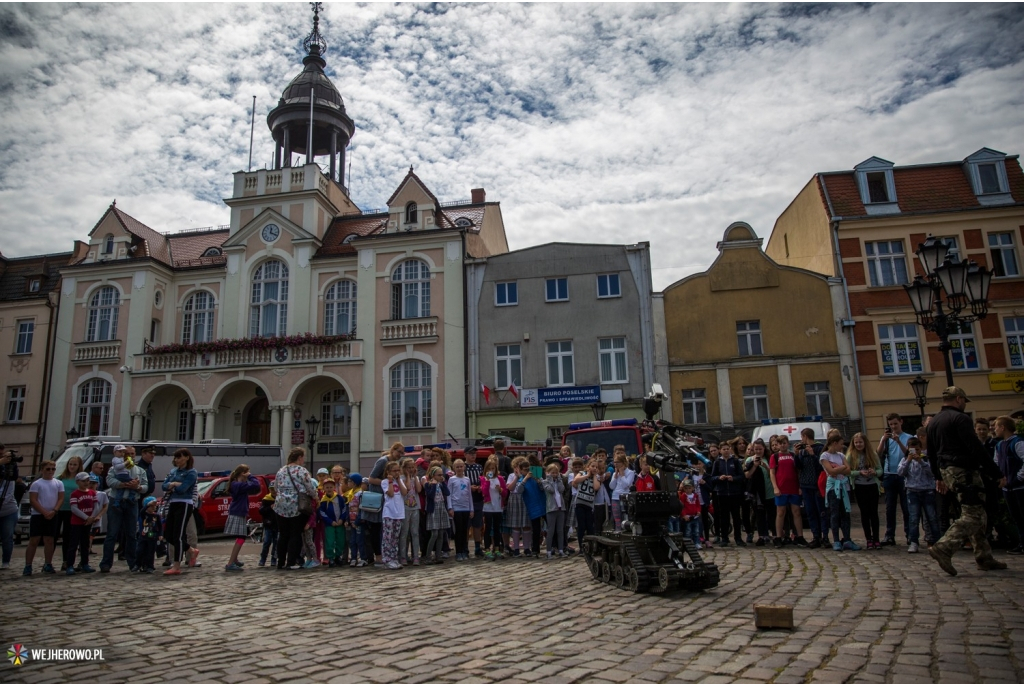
(792,427)
(215,498)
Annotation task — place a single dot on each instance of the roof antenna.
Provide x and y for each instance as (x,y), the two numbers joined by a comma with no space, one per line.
(252,127)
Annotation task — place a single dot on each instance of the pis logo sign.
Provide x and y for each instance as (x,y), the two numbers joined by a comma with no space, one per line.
(18,654)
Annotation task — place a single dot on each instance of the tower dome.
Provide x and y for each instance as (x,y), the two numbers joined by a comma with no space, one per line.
(290,121)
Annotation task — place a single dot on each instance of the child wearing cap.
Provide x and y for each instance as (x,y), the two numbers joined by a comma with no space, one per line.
(151,531)
(121,464)
(83,502)
(333,517)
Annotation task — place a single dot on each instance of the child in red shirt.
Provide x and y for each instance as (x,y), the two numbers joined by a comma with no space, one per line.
(83,503)
(786,481)
(645,481)
(691,512)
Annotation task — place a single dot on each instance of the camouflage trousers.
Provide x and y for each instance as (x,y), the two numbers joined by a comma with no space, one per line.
(969,490)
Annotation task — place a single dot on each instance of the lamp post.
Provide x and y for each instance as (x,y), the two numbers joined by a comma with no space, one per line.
(920,387)
(599,409)
(950,296)
(312,424)
(72,434)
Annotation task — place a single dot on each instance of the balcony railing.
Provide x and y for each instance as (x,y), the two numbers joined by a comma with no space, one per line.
(283,356)
(98,351)
(402,330)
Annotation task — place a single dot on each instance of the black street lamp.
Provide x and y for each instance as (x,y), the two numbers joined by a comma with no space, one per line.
(920,387)
(72,433)
(312,423)
(599,409)
(963,284)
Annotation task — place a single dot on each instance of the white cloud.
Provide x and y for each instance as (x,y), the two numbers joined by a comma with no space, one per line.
(605,123)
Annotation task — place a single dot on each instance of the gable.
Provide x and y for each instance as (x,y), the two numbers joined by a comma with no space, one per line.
(256,225)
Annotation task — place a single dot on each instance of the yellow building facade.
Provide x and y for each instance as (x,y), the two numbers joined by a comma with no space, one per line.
(749,340)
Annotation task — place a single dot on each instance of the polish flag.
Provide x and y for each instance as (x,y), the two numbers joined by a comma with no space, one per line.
(514,390)
(487,393)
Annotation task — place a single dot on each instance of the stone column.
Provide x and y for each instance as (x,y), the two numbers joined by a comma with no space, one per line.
(277,154)
(210,416)
(287,148)
(286,427)
(353,458)
(197,430)
(138,422)
(334,153)
(275,425)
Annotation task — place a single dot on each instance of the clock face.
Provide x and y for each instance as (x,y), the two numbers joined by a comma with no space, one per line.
(271,232)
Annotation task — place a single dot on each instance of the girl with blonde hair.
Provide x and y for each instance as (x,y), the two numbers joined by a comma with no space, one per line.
(864,467)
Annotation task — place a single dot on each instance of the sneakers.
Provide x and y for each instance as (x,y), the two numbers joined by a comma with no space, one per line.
(479,553)
(234,567)
(800,542)
(777,542)
(415,562)
(361,563)
(837,546)
(263,562)
(106,569)
(294,567)
(549,555)
(312,563)
(911,548)
(172,572)
(945,560)
(193,554)
(48,568)
(27,571)
(740,543)
(1015,551)
(69,571)
(393,566)
(851,546)
(353,563)
(888,542)
(750,538)
(759,543)
(5,566)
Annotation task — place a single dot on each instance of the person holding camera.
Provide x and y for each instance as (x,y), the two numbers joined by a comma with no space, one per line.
(8,502)
(808,457)
(891,450)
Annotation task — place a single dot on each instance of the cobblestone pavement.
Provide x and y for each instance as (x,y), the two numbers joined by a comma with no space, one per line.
(860,617)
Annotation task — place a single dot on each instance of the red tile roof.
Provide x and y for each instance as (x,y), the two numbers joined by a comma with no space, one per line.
(154,243)
(925,188)
(411,176)
(344,226)
(449,215)
(187,248)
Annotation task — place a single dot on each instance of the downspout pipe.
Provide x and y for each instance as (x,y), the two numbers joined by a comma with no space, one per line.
(834,226)
(44,396)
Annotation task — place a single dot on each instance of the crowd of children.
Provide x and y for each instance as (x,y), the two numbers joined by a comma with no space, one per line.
(508,507)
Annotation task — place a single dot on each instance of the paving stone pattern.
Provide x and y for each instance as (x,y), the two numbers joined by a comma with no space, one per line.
(860,617)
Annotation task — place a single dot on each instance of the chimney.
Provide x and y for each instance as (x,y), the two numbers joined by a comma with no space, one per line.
(479,195)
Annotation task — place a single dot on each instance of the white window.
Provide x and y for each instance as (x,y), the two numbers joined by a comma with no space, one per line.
(212,252)
(509,367)
(411,401)
(612,354)
(94,407)
(197,318)
(16,404)
(103,314)
(560,365)
(506,294)
(185,422)
(410,213)
(748,336)
(954,248)
(1004,255)
(1015,339)
(555,432)
(26,329)
(963,349)
(335,414)
(410,290)
(755,402)
(556,290)
(608,285)
(340,308)
(108,244)
(268,312)
(35,285)
(887,263)
(901,352)
(819,398)
(695,406)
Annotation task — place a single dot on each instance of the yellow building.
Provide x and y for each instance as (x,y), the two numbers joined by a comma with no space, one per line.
(863,225)
(749,339)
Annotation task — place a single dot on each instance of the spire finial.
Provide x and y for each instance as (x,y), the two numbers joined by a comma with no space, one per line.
(314,43)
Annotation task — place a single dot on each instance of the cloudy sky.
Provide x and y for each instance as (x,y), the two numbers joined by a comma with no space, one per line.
(590,123)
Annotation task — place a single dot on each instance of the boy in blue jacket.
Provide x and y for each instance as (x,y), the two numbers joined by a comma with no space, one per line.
(334,514)
(536,506)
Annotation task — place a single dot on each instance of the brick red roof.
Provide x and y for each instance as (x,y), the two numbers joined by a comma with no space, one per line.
(926,188)
(449,215)
(344,226)
(187,248)
(154,244)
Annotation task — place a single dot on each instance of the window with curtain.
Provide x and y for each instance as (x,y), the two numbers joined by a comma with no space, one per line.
(269,302)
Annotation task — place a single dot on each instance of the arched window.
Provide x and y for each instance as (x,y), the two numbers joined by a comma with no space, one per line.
(411,401)
(340,308)
(185,424)
(197,318)
(103,314)
(463,222)
(94,407)
(410,290)
(108,244)
(269,311)
(410,213)
(212,252)
(335,414)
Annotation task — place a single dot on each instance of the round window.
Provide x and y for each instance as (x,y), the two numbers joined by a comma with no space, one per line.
(158,298)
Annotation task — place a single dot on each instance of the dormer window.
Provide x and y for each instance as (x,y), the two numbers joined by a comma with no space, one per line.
(986,170)
(463,222)
(35,284)
(212,252)
(410,213)
(876,186)
(108,244)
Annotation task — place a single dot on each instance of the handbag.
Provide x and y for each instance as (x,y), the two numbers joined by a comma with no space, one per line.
(372,502)
(305,501)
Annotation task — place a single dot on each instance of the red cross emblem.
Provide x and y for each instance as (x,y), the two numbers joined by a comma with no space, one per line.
(790,429)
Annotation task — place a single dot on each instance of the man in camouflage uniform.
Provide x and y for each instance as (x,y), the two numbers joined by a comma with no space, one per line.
(958,462)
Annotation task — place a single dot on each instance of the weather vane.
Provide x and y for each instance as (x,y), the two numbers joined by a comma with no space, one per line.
(315,41)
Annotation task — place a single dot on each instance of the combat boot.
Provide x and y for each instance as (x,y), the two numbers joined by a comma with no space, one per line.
(945,560)
(990,564)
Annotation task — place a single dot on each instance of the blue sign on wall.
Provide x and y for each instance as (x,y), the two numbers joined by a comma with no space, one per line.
(549,397)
